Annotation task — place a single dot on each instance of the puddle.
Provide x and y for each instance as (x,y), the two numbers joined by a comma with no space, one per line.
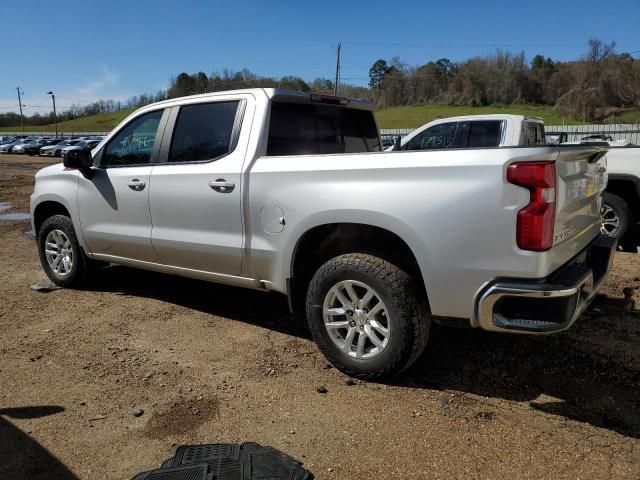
(11,217)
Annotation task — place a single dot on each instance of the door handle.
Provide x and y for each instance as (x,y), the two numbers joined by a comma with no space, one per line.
(222,186)
(136,185)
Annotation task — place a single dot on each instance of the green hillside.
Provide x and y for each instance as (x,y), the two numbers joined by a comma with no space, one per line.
(416,115)
(395,117)
(94,123)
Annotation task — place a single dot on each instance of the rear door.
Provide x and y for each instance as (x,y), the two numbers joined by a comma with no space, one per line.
(195,197)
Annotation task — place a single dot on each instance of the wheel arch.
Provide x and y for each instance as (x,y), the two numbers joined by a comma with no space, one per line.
(47,209)
(626,187)
(321,242)
(50,205)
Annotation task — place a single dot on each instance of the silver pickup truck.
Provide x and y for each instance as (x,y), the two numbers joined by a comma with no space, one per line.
(289,192)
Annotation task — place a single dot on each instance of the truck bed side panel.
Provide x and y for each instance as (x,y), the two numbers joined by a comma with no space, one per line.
(453,208)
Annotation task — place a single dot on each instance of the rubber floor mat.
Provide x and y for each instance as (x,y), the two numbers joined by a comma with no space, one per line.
(226,461)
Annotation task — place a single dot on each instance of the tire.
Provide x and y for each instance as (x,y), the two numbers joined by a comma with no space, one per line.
(73,266)
(404,314)
(616,216)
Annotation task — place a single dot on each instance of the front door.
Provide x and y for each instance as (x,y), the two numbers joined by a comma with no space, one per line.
(195,195)
(114,203)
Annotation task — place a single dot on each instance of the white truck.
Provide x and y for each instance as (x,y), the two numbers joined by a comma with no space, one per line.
(289,192)
(621,205)
(473,131)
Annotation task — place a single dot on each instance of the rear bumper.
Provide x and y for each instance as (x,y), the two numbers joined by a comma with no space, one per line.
(549,305)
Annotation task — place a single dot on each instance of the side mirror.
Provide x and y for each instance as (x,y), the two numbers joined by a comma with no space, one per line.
(397,144)
(79,160)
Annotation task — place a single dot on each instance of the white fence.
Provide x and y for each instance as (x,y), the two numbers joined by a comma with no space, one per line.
(620,131)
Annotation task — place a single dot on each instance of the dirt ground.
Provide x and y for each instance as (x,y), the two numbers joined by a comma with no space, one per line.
(209,363)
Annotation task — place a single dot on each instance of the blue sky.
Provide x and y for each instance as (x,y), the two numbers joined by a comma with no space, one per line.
(86,50)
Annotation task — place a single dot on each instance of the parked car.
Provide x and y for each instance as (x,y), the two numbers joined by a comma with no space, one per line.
(81,145)
(289,192)
(34,147)
(387,141)
(56,149)
(8,147)
(20,148)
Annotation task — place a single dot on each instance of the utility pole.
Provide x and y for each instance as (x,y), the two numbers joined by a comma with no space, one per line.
(55,118)
(20,104)
(335,85)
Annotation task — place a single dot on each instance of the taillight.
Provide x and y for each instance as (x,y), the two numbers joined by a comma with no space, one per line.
(535,221)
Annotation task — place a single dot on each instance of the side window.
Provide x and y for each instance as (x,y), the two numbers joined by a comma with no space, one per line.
(485,133)
(203,132)
(313,129)
(134,143)
(436,137)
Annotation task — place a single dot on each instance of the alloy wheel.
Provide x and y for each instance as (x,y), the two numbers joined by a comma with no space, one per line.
(356,319)
(59,252)
(610,221)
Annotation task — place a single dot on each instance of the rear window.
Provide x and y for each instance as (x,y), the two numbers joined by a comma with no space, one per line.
(308,129)
(533,133)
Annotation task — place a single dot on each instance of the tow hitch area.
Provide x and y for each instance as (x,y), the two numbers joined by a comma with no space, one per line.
(550,305)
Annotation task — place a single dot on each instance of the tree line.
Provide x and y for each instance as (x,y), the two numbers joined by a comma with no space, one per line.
(601,83)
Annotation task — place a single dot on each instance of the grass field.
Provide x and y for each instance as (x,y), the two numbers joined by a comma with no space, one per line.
(94,123)
(627,117)
(416,115)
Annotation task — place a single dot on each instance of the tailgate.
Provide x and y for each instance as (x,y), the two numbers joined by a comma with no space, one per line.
(581,179)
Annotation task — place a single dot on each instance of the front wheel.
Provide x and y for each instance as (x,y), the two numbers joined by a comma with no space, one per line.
(368,317)
(60,254)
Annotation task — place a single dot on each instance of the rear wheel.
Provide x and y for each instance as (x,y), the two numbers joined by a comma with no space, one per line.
(367,316)
(616,216)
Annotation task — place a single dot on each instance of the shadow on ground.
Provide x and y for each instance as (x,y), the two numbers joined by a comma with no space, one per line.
(21,456)
(265,309)
(589,385)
